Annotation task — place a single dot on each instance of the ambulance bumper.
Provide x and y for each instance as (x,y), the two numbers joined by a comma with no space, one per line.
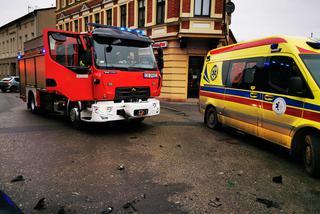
(106,111)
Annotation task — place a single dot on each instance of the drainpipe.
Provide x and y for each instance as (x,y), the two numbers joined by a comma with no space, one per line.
(225,22)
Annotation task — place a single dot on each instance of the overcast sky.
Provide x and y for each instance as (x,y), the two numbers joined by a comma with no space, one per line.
(251,19)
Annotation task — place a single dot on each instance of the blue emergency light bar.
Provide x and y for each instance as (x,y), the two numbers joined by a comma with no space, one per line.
(135,31)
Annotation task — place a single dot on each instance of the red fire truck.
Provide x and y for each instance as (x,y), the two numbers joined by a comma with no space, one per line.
(106,74)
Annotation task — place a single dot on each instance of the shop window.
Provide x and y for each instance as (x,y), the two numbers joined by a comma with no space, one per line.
(160,11)
(123,12)
(202,7)
(97,18)
(141,13)
(109,17)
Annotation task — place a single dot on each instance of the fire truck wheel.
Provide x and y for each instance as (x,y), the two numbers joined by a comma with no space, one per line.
(311,154)
(211,118)
(74,117)
(32,104)
(3,90)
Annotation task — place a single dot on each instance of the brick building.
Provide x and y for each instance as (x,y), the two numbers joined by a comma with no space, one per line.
(186,29)
(14,34)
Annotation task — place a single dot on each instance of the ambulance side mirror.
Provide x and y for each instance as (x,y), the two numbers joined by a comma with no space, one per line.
(296,86)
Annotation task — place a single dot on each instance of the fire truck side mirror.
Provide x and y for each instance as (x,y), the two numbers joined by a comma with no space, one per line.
(160,59)
(87,58)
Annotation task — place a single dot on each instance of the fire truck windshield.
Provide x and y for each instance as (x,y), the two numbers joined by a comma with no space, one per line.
(123,57)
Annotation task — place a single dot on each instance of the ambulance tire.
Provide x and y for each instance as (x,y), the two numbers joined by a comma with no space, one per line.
(74,117)
(211,118)
(311,155)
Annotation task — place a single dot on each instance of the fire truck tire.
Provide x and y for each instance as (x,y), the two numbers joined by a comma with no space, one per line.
(32,103)
(311,154)
(3,90)
(211,118)
(74,117)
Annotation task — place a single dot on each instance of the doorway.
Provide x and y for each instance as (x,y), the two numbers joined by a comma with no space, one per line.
(194,75)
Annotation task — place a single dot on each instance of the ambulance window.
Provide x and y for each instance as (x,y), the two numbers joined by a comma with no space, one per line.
(242,74)
(280,69)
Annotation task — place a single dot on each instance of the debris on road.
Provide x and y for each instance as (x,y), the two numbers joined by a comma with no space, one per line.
(17,179)
(129,205)
(133,137)
(75,193)
(230,183)
(161,146)
(108,210)
(277,179)
(240,172)
(41,204)
(61,210)
(121,167)
(179,146)
(268,203)
(215,204)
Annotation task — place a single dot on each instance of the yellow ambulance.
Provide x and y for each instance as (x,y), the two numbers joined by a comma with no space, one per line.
(268,88)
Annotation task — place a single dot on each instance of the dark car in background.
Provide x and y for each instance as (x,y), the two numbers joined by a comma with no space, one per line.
(10,83)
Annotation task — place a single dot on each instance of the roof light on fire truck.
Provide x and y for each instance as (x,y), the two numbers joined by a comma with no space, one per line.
(43,51)
(19,56)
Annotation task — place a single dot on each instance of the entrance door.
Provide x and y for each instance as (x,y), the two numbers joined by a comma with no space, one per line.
(194,75)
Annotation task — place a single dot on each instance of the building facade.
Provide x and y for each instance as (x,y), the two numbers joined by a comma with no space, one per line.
(186,29)
(14,34)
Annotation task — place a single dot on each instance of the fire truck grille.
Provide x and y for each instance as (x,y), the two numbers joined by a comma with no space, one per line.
(132,93)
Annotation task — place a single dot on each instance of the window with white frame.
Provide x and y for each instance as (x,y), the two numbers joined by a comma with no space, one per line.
(202,7)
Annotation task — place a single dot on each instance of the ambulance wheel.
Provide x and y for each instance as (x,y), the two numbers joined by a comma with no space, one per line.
(74,117)
(211,118)
(311,155)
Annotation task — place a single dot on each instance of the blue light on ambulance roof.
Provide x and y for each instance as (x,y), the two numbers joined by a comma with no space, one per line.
(282,64)
(273,62)
(129,30)
(123,29)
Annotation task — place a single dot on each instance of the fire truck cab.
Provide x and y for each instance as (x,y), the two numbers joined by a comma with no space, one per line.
(106,74)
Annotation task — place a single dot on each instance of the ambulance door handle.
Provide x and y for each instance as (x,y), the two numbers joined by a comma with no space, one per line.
(268,97)
(254,95)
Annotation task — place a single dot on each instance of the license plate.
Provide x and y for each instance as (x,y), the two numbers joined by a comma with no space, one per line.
(140,112)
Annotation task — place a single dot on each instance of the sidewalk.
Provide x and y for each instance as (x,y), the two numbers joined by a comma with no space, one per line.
(188,109)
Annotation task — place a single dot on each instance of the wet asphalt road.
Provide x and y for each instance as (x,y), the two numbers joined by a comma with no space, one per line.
(173,164)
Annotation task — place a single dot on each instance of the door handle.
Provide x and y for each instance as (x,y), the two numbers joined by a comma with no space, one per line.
(253,95)
(268,97)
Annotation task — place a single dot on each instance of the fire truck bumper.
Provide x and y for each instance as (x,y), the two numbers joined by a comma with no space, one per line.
(106,111)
